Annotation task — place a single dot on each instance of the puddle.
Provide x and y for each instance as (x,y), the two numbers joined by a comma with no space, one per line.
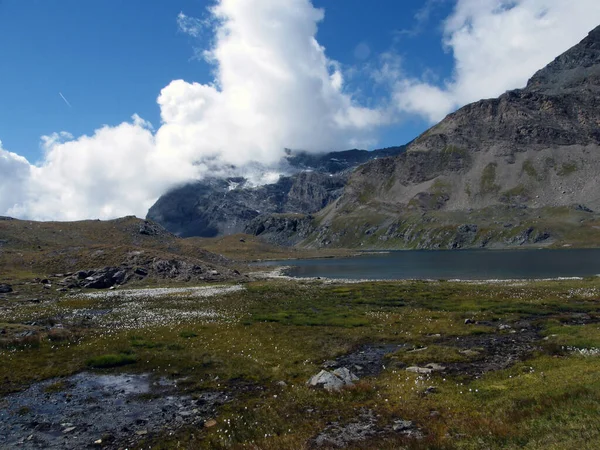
(75,412)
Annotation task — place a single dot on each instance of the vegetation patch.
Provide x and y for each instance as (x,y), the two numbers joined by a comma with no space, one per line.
(110,361)
(513,374)
(529,168)
(487,183)
(518,194)
(187,334)
(567,169)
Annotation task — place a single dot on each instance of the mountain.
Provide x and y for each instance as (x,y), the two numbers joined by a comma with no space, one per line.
(521,169)
(223,206)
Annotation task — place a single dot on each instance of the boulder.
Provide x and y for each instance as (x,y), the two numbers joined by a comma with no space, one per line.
(333,381)
(120,277)
(419,370)
(345,375)
(5,288)
(102,279)
(140,271)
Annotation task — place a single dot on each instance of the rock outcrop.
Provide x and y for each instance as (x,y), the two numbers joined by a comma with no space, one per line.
(215,206)
(529,159)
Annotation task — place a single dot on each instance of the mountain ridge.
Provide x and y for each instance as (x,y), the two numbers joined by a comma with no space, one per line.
(519,169)
(223,206)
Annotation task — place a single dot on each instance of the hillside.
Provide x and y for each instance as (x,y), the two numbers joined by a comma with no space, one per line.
(521,169)
(226,206)
(108,253)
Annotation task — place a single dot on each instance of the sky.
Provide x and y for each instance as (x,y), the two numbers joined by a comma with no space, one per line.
(105,105)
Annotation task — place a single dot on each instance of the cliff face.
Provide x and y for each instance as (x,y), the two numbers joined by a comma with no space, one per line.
(515,159)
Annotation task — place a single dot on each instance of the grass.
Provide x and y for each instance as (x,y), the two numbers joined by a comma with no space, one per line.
(517,194)
(110,361)
(487,183)
(529,168)
(567,169)
(283,331)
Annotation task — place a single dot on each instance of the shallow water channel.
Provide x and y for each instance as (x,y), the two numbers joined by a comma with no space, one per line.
(86,408)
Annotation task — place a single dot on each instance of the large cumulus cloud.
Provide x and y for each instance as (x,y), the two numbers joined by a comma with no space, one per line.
(497,45)
(273,88)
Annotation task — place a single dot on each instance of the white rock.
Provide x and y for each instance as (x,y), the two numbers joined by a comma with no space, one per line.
(419,370)
(333,381)
(345,375)
(435,367)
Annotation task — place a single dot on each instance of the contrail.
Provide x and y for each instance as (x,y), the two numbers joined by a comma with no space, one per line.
(66,101)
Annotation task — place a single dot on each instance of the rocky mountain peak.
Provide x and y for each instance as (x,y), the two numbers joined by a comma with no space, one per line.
(529,157)
(577,67)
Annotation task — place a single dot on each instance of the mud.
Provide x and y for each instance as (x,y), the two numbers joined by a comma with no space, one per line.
(108,411)
(365,427)
(491,352)
(368,360)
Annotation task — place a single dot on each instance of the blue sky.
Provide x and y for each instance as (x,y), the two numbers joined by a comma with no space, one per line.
(111,58)
(143,110)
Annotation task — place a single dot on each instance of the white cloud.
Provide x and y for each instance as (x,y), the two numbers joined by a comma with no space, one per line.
(190,25)
(497,45)
(274,88)
(14,176)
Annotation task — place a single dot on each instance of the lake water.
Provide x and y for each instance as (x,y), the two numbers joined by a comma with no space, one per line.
(461,264)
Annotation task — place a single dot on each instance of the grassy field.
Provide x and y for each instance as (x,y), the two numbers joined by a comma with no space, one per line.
(521,359)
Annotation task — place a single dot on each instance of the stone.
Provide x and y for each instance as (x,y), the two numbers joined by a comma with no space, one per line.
(419,370)
(333,381)
(327,381)
(83,274)
(5,288)
(141,271)
(210,423)
(68,430)
(469,322)
(345,375)
(402,425)
(119,277)
(435,367)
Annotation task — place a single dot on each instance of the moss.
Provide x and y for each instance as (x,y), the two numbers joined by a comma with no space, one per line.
(188,334)
(468,189)
(567,169)
(109,361)
(487,183)
(58,386)
(455,150)
(529,168)
(23,410)
(517,194)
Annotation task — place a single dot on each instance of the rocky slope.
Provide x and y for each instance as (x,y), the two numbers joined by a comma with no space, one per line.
(102,254)
(519,169)
(216,207)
